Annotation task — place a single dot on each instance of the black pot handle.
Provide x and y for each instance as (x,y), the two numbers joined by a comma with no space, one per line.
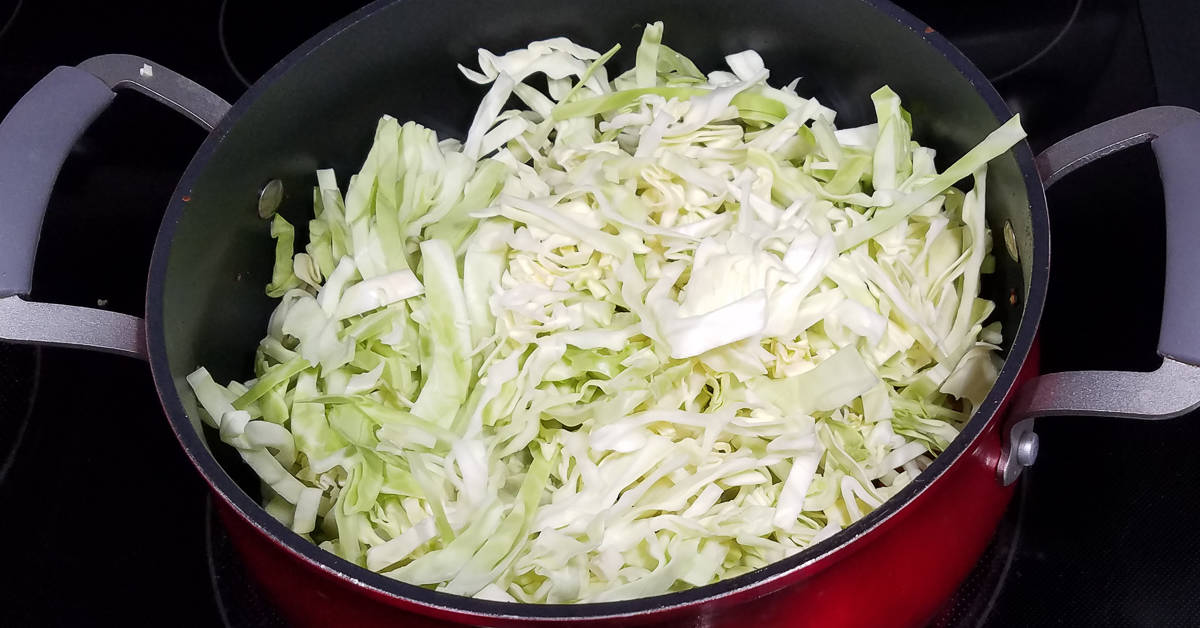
(1174,388)
(35,138)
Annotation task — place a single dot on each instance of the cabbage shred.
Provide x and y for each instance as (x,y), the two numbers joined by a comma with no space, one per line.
(638,335)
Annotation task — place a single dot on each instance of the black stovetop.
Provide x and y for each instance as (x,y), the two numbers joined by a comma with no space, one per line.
(105,521)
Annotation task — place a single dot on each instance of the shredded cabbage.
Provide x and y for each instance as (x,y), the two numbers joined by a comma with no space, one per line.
(641,334)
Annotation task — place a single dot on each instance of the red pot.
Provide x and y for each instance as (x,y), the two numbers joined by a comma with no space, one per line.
(317,107)
(905,581)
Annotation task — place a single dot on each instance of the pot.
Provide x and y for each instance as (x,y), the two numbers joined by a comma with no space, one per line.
(317,108)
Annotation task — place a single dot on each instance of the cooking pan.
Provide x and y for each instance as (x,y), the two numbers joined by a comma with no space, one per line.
(317,108)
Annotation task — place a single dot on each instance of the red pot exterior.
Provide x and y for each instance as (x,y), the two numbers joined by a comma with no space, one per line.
(900,573)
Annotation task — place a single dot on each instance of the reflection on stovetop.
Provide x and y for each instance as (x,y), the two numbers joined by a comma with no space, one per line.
(107,517)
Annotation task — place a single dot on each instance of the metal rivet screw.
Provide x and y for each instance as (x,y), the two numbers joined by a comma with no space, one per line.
(1010,240)
(269,198)
(1027,449)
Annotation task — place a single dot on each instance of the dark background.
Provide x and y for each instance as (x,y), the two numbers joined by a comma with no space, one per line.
(105,521)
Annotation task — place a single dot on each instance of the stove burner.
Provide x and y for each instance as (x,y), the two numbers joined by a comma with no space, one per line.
(972,604)
(19,368)
(242,603)
(225,47)
(1045,49)
(253,36)
(12,16)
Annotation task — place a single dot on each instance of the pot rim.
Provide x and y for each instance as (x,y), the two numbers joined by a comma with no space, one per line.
(752,584)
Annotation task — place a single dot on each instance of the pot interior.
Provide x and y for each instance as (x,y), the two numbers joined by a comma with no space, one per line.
(318,109)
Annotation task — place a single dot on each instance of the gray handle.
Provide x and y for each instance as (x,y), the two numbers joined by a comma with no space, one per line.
(35,138)
(1174,134)
(1174,388)
(1178,154)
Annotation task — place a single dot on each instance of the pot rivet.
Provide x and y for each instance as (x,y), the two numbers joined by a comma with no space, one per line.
(1010,241)
(269,198)
(1027,449)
